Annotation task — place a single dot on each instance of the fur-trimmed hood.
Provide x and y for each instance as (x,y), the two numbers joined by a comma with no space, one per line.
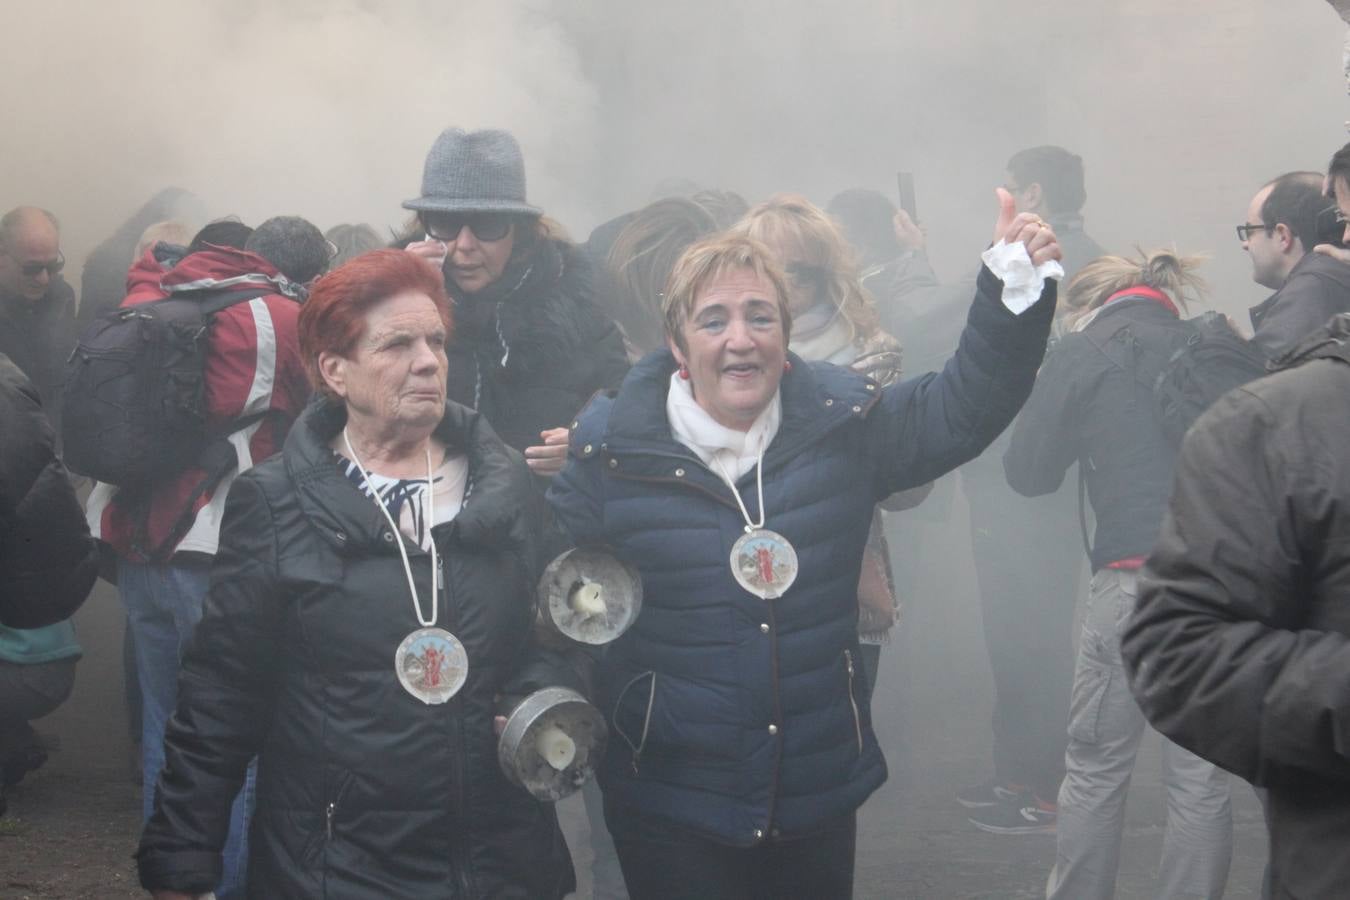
(534,346)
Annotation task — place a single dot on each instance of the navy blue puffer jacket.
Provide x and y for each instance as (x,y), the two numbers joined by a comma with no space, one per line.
(738,718)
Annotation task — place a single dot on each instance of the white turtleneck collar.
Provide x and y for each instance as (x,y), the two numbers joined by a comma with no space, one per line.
(724,450)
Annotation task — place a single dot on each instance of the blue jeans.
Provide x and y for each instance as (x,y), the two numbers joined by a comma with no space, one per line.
(164,604)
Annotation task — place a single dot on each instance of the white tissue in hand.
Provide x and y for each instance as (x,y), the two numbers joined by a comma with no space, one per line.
(1022,282)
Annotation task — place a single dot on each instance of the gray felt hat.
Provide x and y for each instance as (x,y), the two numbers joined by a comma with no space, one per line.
(473,171)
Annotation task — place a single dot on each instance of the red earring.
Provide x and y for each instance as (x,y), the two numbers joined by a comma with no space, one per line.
(787,365)
(684,372)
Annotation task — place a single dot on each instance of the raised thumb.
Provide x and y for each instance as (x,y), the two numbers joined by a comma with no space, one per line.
(1007,211)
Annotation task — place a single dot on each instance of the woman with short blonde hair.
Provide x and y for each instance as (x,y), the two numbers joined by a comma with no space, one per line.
(740,480)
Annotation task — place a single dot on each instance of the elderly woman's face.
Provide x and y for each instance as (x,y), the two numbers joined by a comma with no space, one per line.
(395,377)
(734,347)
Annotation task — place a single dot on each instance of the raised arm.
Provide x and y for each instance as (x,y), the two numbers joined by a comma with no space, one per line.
(927,426)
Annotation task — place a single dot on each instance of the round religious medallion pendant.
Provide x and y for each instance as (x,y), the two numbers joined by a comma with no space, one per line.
(764,563)
(431,664)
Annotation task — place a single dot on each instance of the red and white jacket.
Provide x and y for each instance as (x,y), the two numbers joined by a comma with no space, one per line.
(253,366)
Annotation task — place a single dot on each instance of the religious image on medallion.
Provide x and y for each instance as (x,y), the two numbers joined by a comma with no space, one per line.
(765,564)
(432,665)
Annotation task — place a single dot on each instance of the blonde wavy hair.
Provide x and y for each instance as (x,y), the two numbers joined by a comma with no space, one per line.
(1163,270)
(790,219)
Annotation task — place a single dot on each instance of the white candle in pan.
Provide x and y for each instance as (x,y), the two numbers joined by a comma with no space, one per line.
(557,749)
(589,599)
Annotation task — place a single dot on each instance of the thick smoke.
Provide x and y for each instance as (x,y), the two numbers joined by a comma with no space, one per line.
(323,108)
(326,109)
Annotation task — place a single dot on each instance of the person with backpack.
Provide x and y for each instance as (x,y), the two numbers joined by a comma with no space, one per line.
(244,380)
(1094,404)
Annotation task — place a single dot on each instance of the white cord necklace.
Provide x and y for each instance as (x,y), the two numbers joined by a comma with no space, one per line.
(759,484)
(762,561)
(398,535)
(431,663)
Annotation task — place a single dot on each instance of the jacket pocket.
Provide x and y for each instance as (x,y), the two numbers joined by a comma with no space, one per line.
(852,669)
(1085,703)
(636,742)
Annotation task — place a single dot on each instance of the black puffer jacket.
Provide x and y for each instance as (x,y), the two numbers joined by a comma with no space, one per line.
(48,561)
(529,350)
(363,791)
(1093,405)
(1239,648)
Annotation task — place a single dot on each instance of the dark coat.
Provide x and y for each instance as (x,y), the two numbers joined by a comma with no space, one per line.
(1239,648)
(37,337)
(103,282)
(363,791)
(1317,288)
(733,717)
(1093,405)
(1077,245)
(48,561)
(529,350)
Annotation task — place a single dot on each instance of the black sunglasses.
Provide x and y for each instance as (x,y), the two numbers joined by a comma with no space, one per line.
(53,268)
(486,226)
(1244,232)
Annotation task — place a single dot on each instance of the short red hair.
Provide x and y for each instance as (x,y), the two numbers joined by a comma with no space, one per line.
(334,317)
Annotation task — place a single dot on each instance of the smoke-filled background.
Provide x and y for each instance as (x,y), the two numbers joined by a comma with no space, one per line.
(326,108)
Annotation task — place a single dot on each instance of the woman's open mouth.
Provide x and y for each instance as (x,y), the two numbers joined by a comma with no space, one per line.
(741,370)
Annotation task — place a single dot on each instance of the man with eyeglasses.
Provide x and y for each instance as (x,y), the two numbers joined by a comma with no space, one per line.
(37,306)
(1279,234)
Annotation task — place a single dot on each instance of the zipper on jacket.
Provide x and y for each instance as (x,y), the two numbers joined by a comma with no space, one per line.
(328,826)
(857,719)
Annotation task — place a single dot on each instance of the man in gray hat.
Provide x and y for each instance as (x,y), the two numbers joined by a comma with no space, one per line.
(530,346)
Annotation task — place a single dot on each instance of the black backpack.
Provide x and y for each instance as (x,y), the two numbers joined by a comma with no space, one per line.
(1213,361)
(1186,368)
(134,406)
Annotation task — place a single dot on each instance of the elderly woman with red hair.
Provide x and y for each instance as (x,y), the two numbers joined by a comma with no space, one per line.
(370,602)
